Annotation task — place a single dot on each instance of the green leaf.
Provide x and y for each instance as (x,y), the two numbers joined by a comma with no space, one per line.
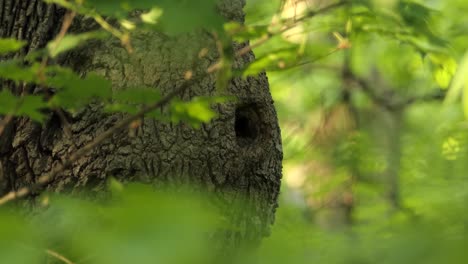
(115,186)
(152,17)
(196,111)
(71,41)
(459,81)
(119,8)
(200,111)
(29,105)
(415,14)
(445,68)
(122,108)
(8,102)
(59,77)
(132,99)
(10,45)
(465,99)
(72,5)
(19,243)
(242,33)
(137,95)
(443,77)
(14,71)
(150,226)
(274,60)
(76,92)
(180,16)
(173,16)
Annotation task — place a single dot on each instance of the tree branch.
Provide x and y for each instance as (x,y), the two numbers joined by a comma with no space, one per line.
(390,102)
(4,122)
(294,21)
(58,256)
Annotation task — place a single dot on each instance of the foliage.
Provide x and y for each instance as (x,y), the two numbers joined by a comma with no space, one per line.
(372,97)
(134,225)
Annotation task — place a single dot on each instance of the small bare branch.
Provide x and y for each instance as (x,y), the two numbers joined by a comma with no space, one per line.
(58,256)
(4,122)
(290,24)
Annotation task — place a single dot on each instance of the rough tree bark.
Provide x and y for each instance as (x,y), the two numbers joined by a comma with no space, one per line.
(237,156)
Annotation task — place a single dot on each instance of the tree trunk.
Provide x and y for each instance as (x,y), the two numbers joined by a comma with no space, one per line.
(237,156)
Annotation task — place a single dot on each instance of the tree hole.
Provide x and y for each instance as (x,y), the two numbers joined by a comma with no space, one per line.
(246,126)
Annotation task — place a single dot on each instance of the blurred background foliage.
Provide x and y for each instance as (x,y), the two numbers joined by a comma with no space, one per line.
(371,97)
(374,131)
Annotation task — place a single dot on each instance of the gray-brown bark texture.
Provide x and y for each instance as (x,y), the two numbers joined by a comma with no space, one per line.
(237,156)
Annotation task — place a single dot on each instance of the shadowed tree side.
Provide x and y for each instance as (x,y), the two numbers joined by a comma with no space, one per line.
(237,156)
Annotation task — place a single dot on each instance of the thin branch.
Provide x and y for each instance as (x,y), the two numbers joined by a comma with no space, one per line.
(58,256)
(124,38)
(384,101)
(390,102)
(66,24)
(436,95)
(295,21)
(9,117)
(4,123)
(258,43)
(322,10)
(307,62)
(262,40)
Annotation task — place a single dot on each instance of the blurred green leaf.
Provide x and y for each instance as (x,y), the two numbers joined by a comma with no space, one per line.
(136,225)
(118,8)
(71,41)
(77,92)
(19,242)
(459,81)
(137,95)
(181,16)
(445,69)
(132,99)
(10,45)
(275,60)
(173,16)
(13,70)
(152,17)
(243,33)
(196,111)
(29,105)
(8,102)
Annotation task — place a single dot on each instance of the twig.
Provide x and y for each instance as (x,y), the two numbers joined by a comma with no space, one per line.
(308,62)
(67,22)
(436,95)
(4,122)
(295,21)
(58,256)
(124,38)
(390,102)
(9,117)
(325,9)
(262,40)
